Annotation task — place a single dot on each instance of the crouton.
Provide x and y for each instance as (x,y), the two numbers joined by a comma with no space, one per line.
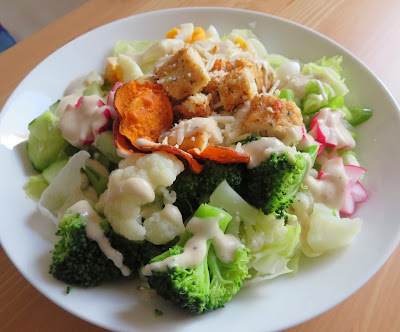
(195,133)
(147,78)
(212,89)
(271,116)
(194,106)
(236,87)
(221,64)
(183,74)
(262,71)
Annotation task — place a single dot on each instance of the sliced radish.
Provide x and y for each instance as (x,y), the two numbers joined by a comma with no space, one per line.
(359,193)
(355,191)
(321,175)
(81,123)
(327,128)
(110,100)
(354,172)
(307,140)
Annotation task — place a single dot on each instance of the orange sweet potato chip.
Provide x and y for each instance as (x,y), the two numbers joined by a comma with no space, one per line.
(182,155)
(144,111)
(220,154)
(120,141)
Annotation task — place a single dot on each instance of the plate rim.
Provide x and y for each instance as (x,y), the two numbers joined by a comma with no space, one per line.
(323,309)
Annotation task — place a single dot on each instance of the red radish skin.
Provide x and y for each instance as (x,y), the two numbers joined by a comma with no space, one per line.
(110,100)
(355,191)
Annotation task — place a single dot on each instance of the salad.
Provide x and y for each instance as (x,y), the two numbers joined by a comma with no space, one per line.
(198,163)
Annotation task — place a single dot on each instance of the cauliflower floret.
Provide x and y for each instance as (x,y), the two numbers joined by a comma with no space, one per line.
(133,185)
(164,226)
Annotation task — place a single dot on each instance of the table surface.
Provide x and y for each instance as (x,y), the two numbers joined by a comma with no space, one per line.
(369,29)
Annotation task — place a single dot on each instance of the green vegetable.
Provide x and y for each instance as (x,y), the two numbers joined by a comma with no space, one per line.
(249,139)
(158,313)
(272,185)
(241,33)
(35,186)
(276,60)
(68,290)
(38,183)
(207,286)
(54,106)
(93,89)
(270,258)
(314,98)
(78,260)
(105,144)
(97,175)
(51,172)
(335,103)
(287,94)
(312,150)
(358,115)
(194,189)
(131,47)
(45,141)
(328,71)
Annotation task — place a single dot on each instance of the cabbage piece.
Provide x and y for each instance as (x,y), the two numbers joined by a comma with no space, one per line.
(317,94)
(256,48)
(328,71)
(322,229)
(131,47)
(272,243)
(276,60)
(328,231)
(276,246)
(65,189)
(241,33)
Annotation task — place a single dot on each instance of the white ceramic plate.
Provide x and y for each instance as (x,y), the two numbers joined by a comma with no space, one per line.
(277,304)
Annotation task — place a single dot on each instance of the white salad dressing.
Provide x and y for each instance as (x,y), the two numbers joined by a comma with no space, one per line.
(293,135)
(226,246)
(81,123)
(203,229)
(71,99)
(95,233)
(188,128)
(330,188)
(137,187)
(330,123)
(306,141)
(76,88)
(262,149)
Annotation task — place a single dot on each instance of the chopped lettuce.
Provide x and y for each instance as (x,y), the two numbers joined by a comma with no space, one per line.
(316,96)
(322,228)
(273,243)
(328,231)
(65,189)
(328,71)
(241,33)
(131,47)
(276,60)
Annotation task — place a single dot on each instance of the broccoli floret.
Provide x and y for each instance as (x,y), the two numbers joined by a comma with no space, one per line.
(249,139)
(208,285)
(78,260)
(272,185)
(194,189)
